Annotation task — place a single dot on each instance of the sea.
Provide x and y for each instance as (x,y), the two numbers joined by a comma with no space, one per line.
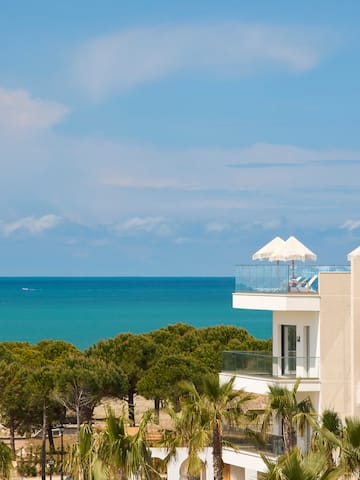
(84,310)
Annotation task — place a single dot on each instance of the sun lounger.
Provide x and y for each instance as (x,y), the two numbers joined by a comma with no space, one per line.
(309,285)
(295,282)
(303,284)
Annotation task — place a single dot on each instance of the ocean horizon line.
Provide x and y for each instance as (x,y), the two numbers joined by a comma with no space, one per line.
(117,276)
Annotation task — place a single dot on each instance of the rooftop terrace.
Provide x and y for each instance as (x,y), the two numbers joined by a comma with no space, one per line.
(281,278)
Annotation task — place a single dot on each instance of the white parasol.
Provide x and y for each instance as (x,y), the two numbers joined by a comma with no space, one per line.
(292,249)
(267,250)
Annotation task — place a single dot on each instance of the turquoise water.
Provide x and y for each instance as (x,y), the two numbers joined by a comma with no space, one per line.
(85,310)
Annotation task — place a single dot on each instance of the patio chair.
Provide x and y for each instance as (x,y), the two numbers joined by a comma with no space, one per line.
(309,285)
(295,283)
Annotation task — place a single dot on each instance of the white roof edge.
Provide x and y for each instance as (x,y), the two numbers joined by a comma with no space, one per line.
(354,253)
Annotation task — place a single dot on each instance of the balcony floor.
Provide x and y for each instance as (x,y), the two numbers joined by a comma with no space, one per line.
(259,383)
(295,302)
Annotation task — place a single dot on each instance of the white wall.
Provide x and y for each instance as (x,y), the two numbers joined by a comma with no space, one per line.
(241,458)
(174,465)
(243,465)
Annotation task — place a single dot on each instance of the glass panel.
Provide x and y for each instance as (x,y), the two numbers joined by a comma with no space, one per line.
(307,347)
(239,436)
(263,364)
(288,347)
(278,278)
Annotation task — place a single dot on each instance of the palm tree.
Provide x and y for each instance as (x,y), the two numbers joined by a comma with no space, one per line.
(6,458)
(340,443)
(82,457)
(295,466)
(348,443)
(112,453)
(189,429)
(294,415)
(327,434)
(202,418)
(122,453)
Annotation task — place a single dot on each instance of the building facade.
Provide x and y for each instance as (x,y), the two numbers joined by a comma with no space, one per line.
(315,337)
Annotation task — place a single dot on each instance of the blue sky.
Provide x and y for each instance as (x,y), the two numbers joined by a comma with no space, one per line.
(176,138)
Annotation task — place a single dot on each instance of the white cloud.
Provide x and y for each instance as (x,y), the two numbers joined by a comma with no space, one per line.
(100,242)
(157,225)
(274,169)
(308,186)
(217,227)
(122,60)
(268,224)
(155,183)
(351,225)
(32,225)
(185,240)
(21,112)
(265,154)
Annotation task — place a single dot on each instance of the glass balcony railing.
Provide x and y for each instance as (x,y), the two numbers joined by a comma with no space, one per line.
(264,364)
(238,436)
(281,279)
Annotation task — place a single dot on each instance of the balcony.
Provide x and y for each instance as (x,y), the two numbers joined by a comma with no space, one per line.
(280,279)
(273,288)
(265,365)
(254,371)
(239,437)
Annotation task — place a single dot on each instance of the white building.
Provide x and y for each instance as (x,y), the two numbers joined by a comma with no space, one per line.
(316,336)
(316,333)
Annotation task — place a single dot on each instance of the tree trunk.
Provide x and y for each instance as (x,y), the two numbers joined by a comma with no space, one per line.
(12,434)
(217,453)
(87,412)
(157,410)
(43,444)
(51,438)
(289,435)
(131,406)
(77,411)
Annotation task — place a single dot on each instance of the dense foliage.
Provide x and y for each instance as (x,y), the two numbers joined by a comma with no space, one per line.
(155,362)
(44,382)
(52,382)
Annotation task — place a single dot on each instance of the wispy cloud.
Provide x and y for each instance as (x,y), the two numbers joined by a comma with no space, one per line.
(266,224)
(147,183)
(217,227)
(113,63)
(185,240)
(264,155)
(32,225)
(209,170)
(132,226)
(21,112)
(156,195)
(351,225)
